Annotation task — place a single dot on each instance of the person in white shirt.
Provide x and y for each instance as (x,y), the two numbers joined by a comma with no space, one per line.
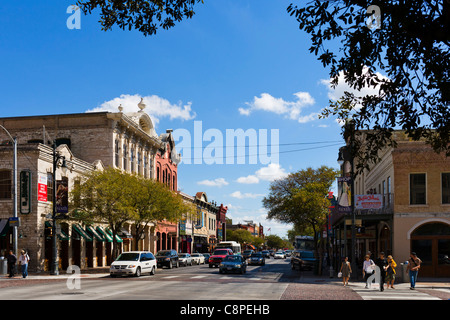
(23,262)
(368,269)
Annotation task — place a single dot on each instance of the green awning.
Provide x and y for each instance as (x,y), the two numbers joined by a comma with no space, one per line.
(118,239)
(104,233)
(92,231)
(81,232)
(62,236)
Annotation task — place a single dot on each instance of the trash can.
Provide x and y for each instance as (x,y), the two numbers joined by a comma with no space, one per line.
(3,265)
(404,272)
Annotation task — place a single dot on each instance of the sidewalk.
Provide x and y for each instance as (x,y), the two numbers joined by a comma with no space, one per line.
(85,273)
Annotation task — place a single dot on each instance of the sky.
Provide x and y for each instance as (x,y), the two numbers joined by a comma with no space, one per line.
(237,67)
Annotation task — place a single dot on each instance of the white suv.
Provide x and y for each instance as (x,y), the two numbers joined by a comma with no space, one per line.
(133,263)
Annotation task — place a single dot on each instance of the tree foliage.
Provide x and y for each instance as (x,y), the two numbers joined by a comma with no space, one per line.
(406,61)
(115,197)
(300,198)
(144,15)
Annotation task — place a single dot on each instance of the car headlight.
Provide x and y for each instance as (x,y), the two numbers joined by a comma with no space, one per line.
(221,265)
(132,266)
(167,259)
(238,266)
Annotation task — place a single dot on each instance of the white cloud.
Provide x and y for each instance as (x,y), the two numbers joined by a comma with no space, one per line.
(339,91)
(248,179)
(240,195)
(156,107)
(219,182)
(290,109)
(272,172)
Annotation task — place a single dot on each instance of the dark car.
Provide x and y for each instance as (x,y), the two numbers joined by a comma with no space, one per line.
(247,253)
(257,258)
(167,258)
(266,253)
(233,263)
(219,254)
(302,260)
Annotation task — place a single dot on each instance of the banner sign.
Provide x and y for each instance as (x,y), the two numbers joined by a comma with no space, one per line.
(62,196)
(368,201)
(42,187)
(345,194)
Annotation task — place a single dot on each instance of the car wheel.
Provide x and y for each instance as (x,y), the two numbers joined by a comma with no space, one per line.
(177,264)
(170,264)
(138,272)
(153,271)
(191,263)
(210,265)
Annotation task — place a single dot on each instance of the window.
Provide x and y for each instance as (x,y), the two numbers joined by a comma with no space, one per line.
(139,162)
(132,159)
(116,152)
(125,156)
(49,187)
(5,184)
(446,187)
(417,188)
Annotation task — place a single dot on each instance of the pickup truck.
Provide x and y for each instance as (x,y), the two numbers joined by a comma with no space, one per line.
(218,256)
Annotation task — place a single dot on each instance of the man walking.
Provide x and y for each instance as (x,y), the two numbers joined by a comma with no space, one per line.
(23,262)
(11,263)
(382,264)
(413,267)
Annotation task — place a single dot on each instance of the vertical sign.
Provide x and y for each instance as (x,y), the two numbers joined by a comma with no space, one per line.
(42,187)
(25,192)
(62,196)
(345,194)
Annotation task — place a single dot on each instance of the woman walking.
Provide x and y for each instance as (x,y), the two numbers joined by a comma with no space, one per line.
(346,270)
(390,271)
(368,270)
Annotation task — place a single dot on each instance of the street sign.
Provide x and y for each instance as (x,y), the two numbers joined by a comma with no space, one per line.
(14,222)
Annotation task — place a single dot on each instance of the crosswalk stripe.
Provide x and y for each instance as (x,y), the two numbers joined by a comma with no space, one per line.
(170,277)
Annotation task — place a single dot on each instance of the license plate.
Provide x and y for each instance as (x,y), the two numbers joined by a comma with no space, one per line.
(229,268)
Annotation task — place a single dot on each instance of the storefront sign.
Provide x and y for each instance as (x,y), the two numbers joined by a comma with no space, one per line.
(369,201)
(25,192)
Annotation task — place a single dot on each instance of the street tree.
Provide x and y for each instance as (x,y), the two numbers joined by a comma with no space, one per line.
(101,196)
(146,16)
(151,201)
(398,52)
(301,199)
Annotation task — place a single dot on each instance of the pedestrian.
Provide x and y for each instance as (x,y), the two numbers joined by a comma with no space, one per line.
(381,262)
(23,262)
(390,271)
(368,270)
(346,270)
(413,267)
(11,263)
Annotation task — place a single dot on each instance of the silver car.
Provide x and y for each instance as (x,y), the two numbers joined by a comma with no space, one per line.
(185,259)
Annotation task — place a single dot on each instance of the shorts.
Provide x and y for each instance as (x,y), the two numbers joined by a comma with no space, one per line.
(390,277)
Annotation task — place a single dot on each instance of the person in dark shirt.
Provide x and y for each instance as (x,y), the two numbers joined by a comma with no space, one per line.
(11,263)
(382,263)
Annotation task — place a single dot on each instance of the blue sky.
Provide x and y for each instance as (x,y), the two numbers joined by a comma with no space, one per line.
(237,64)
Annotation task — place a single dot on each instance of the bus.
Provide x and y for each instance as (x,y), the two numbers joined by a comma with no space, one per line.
(305,243)
(233,245)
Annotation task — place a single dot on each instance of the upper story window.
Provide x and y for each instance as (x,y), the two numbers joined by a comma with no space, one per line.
(125,157)
(417,188)
(116,153)
(5,184)
(445,187)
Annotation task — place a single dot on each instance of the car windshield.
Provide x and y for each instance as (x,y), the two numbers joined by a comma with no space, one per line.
(258,255)
(220,252)
(128,256)
(163,253)
(232,258)
(195,255)
(182,255)
(306,254)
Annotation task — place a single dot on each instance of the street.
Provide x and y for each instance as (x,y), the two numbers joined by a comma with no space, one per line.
(274,281)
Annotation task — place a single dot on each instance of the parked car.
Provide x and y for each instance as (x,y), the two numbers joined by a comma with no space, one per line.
(288,253)
(247,253)
(167,258)
(233,263)
(218,255)
(302,260)
(266,253)
(198,258)
(257,258)
(185,259)
(279,255)
(133,263)
(271,252)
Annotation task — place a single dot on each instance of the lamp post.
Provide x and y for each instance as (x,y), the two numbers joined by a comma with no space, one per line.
(56,159)
(14,141)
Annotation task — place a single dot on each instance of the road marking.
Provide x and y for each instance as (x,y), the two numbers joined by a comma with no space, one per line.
(402,292)
(198,277)
(170,277)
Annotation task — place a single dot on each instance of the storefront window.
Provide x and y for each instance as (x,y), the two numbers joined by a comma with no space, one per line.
(444,251)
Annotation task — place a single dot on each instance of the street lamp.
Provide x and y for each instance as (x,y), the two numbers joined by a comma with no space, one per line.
(14,141)
(56,159)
